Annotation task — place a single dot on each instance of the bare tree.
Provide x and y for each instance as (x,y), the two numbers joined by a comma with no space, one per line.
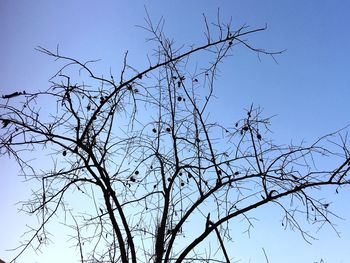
(159,178)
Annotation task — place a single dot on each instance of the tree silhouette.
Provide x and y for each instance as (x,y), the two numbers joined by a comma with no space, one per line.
(157,178)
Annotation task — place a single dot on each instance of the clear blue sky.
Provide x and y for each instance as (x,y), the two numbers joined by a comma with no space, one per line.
(308,89)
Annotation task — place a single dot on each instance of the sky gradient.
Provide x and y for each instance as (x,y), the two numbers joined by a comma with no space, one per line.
(308,89)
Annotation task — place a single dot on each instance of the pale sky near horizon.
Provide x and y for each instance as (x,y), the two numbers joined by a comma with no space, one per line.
(308,90)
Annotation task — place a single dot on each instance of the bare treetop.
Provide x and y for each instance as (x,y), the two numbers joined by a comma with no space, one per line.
(159,178)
